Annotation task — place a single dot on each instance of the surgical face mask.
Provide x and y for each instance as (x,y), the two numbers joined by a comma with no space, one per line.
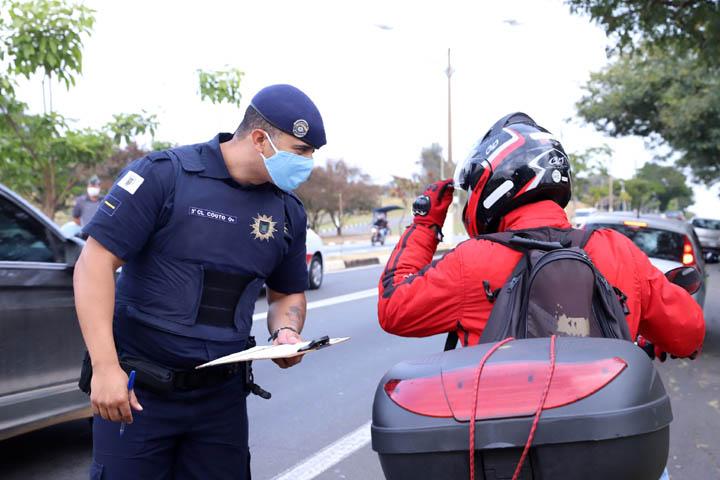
(93,191)
(287,170)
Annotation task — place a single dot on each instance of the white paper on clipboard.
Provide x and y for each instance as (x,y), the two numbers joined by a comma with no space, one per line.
(269,352)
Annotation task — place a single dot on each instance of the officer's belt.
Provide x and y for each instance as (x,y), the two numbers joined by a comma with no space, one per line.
(159,379)
(220,295)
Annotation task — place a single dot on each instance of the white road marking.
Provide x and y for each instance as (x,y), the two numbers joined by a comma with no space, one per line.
(355,269)
(371,292)
(327,457)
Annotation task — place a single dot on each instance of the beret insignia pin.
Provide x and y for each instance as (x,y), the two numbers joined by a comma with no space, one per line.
(300,128)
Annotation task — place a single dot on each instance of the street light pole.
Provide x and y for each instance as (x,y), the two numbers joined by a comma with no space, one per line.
(449,73)
(449,226)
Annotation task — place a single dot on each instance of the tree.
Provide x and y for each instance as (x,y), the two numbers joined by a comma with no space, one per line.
(221,86)
(668,184)
(315,196)
(406,189)
(430,158)
(41,155)
(45,35)
(656,187)
(345,191)
(671,100)
(641,191)
(126,126)
(682,25)
(663,81)
(589,170)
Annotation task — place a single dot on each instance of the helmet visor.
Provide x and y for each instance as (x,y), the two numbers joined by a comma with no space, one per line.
(469,171)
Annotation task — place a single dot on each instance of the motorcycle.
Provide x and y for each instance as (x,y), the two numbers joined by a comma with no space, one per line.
(596,410)
(378,235)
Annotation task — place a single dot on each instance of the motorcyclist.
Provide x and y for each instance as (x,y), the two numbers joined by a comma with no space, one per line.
(381,221)
(381,227)
(517,177)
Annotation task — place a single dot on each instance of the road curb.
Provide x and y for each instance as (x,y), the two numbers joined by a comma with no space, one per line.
(361,262)
(339,263)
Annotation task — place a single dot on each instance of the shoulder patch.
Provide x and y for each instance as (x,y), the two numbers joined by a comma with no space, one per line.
(130,182)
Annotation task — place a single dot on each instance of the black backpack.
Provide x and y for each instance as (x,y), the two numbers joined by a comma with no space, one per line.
(555,289)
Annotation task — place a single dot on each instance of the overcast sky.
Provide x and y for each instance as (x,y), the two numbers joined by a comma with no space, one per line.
(376,70)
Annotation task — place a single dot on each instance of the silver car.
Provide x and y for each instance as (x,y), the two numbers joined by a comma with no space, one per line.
(41,348)
(667,243)
(708,231)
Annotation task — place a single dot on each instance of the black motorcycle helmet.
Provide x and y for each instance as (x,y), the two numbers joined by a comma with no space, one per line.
(517,162)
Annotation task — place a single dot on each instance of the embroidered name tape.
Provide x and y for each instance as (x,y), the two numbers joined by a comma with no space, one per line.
(205,213)
(130,182)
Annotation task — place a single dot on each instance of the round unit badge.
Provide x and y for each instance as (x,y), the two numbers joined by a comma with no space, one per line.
(300,128)
(556,176)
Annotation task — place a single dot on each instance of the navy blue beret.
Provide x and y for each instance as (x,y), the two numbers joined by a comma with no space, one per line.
(290,110)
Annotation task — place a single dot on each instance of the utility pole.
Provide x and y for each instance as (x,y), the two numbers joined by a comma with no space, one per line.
(610,196)
(449,73)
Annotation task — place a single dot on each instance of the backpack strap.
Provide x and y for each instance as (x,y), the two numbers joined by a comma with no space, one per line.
(451,341)
(503,238)
(587,233)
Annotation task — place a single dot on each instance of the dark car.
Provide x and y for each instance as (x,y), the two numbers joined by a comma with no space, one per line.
(41,347)
(667,243)
(708,231)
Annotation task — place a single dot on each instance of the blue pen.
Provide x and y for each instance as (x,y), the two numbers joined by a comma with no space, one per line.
(131,384)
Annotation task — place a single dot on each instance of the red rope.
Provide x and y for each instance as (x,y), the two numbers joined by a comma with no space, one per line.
(539,410)
(474,405)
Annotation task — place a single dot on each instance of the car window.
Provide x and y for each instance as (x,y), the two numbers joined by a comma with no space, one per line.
(653,242)
(706,223)
(22,237)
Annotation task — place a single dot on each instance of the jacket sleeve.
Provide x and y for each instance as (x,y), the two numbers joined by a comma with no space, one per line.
(419,297)
(670,317)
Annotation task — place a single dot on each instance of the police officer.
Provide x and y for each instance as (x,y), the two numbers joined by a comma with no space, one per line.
(198,231)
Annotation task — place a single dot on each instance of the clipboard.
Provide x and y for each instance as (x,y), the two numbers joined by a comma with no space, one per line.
(269,352)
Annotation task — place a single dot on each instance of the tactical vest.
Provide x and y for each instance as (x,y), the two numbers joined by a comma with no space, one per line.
(203,267)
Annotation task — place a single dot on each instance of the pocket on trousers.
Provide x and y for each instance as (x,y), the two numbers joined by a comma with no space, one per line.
(96,471)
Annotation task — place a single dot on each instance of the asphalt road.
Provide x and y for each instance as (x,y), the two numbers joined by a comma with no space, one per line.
(326,400)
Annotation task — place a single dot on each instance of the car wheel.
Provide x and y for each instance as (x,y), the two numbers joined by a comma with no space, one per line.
(315,273)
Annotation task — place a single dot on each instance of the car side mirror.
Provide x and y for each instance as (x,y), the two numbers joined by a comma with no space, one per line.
(688,278)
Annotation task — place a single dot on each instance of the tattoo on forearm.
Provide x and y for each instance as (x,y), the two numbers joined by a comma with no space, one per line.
(295,314)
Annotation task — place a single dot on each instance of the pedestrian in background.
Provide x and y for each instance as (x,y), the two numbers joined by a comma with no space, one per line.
(87,204)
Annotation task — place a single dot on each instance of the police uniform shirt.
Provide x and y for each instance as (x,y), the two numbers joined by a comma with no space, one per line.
(173,216)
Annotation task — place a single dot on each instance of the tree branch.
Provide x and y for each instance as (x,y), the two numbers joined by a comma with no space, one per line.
(15,127)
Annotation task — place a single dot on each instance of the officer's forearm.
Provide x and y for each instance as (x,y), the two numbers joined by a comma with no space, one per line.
(94,283)
(286,310)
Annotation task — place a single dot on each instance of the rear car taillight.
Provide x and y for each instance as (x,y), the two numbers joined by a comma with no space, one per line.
(688,256)
(505,389)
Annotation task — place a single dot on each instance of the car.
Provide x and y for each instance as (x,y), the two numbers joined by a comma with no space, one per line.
(708,231)
(41,347)
(314,257)
(667,243)
(581,214)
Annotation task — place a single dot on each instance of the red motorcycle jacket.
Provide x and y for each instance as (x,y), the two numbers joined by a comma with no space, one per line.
(419,297)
